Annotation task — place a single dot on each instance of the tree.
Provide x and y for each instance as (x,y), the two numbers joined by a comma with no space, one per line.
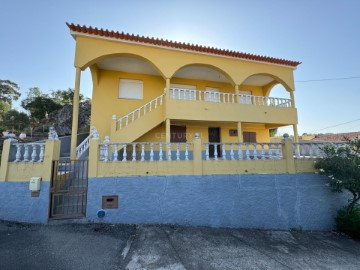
(342,167)
(272,132)
(15,120)
(39,106)
(9,91)
(33,93)
(65,97)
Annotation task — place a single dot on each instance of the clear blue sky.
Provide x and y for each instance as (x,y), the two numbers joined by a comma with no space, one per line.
(36,48)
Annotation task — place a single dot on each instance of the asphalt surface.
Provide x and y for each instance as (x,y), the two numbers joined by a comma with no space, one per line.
(96,246)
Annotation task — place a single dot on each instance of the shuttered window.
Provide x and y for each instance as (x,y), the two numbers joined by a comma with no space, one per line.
(249,137)
(130,89)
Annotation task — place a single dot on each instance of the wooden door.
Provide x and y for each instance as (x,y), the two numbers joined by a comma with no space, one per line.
(214,137)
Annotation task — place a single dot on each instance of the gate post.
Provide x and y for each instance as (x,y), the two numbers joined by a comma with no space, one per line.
(197,156)
(5,159)
(93,157)
(52,152)
(288,154)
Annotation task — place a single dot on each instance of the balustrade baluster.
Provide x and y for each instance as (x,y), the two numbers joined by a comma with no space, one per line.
(134,152)
(247,151)
(232,152)
(115,155)
(161,99)
(169,151)
(310,150)
(42,150)
(151,151)
(317,150)
(270,153)
(240,152)
(262,151)
(142,152)
(207,157)
(150,106)
(124,152)
(160,152)
(33,154)
(177,151)
(26,153)
(255,152)
(156,103)
(106,152)
(127,120)
(297,153)
(215,151)
(120,122)
(223,153)
(186,151)
(18,152)
(132,116)
(144,108)
(303,152)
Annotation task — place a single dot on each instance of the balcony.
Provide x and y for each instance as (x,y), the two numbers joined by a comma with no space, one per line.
(220,106)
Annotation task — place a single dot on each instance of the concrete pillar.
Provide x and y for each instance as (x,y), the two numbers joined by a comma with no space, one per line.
(75,115)
(237,92)
(52,152)
(5,160)
(197,155)
(296,135)
(94,151)
(292,99)
(239,130)
(288,154)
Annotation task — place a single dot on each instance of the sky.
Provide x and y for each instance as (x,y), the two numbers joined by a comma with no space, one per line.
(37,50)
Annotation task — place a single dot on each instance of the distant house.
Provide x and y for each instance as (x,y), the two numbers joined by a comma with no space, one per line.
(338,137)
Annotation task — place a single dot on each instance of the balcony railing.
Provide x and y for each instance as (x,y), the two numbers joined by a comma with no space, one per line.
(221,97)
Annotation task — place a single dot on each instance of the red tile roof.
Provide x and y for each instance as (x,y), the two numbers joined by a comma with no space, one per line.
(178,45)
(336,137)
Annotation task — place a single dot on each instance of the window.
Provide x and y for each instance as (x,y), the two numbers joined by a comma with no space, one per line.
(130,89)
(183,91)
(249,137)
(177,134)
(212,94)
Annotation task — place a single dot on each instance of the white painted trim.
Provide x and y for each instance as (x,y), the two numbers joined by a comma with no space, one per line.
(73,33)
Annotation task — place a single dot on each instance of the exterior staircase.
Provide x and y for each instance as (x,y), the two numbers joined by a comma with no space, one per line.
(136,123)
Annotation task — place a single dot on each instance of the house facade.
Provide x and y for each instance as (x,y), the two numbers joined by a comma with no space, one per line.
(146,89)
(180,135)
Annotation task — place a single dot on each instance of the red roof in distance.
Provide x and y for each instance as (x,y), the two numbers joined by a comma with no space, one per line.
(178,45)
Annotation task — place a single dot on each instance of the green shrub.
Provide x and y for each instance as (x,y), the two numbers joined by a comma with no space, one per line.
(349,223)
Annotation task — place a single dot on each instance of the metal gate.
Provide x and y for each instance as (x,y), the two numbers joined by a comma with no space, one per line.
(68,189)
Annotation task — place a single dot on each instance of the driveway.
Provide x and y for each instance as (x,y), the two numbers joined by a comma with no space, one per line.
(95,246)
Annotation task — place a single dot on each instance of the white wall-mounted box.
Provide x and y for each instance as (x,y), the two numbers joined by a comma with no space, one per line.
(35,183)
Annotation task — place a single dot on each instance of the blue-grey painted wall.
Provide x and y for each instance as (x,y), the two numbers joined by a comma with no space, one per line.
(16,203)
(273,201)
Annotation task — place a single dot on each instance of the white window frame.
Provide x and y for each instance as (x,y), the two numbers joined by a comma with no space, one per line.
(186,92)
(131,89)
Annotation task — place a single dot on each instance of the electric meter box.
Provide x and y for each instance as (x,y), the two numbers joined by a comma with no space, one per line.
(35,183)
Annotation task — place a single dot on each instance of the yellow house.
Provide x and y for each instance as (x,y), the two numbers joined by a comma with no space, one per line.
(154,90)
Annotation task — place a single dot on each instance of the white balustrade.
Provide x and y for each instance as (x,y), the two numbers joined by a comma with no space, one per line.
(139,112)
(83,146)
(222,97)
(29,152)
(237,151)
(147,151)
(306,150)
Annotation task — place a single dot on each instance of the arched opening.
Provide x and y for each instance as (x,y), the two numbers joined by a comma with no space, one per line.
(128,63)
(205,72)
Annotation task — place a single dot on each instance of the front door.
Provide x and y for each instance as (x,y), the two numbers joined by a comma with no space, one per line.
(214,137)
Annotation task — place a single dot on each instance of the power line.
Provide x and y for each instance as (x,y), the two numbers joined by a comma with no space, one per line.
(331,79)
(335,125)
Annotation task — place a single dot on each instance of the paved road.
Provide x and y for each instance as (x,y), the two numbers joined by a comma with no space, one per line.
(95,246)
